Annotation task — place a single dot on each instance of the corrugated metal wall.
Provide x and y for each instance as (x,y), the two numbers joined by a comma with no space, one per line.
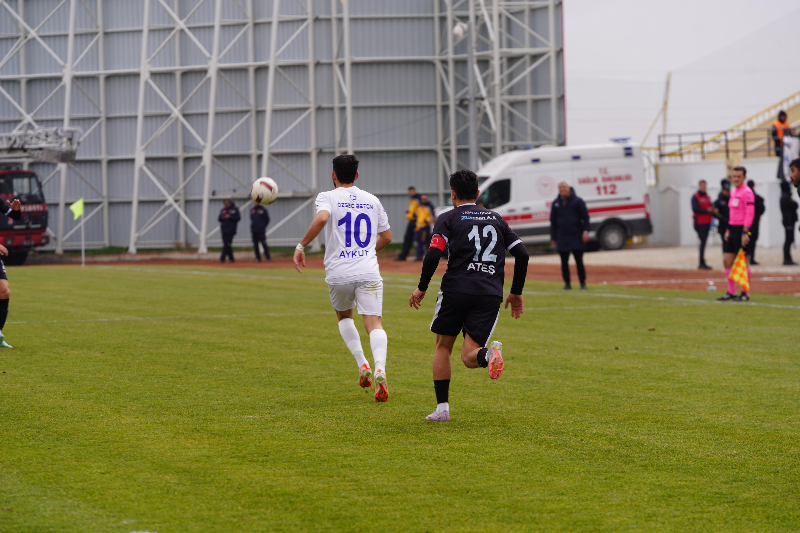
(394,91)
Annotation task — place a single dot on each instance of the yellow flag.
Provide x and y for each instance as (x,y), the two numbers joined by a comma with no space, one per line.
(77,208)
(739,271)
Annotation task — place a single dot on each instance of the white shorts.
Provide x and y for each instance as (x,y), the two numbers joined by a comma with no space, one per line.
(368,295)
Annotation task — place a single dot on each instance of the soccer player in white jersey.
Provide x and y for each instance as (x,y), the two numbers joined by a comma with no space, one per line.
(359,228)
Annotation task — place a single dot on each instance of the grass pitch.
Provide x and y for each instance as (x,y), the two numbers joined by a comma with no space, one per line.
(169,399)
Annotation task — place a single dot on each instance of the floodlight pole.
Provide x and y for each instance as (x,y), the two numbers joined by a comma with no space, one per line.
(68,74)
(208,149)
(473,130)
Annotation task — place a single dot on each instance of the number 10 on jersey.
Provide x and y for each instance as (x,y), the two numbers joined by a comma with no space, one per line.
(354,230)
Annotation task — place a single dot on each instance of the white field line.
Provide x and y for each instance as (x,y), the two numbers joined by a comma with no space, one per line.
(311,313)
(695,301)
(705,280)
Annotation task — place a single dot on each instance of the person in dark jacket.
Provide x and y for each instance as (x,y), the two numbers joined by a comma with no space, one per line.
(702,212)
(228,220)
(569,231)
(760,209)
(721,205)
(259,220)
(789,215)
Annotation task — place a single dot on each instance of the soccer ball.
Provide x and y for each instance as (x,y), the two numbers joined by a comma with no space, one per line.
(264,191)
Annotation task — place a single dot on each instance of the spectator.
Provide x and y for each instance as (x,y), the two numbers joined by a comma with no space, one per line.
(789,215)
(569,231)
(760,208)
(702,212)
(780,128)
(422,234)
(228,220)
(411,227)
(794,172)
(721,205)
(259,220)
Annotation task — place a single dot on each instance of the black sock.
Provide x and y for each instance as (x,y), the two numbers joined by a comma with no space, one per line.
(483,362)
(442,387)
(3,312)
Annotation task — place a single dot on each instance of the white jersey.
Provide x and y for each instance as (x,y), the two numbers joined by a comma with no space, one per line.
(351,234)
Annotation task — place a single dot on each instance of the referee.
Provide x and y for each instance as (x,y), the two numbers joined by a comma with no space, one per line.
(742,209)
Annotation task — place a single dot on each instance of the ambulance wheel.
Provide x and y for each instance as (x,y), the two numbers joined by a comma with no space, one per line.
(612,237)
(15,258)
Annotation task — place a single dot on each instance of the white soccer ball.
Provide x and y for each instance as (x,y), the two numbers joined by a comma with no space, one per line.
(264,191)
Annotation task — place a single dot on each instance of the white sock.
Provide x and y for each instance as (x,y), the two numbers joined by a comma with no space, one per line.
(442,407)
(347,328)
(379,342)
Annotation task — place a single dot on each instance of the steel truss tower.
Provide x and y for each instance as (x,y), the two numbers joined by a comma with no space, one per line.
(184,102)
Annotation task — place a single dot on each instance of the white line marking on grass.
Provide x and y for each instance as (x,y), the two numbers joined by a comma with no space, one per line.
(695,301)
(704,280)
(204,273)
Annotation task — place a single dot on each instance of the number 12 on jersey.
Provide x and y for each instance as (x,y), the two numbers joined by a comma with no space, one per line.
(354,230)
(488,256)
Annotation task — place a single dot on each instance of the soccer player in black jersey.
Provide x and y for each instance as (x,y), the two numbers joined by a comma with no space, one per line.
(12,211)
(472,287)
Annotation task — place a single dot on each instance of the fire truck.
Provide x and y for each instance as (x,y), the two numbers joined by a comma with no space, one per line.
(42,145)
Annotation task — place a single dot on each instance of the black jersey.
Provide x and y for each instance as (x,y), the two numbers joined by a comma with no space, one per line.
(477,239)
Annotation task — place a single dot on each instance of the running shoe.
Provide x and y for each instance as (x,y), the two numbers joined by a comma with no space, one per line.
(4,344)
(435,416)
(495,356)
(365,376)
(381,388)
(725,297)
(743,298)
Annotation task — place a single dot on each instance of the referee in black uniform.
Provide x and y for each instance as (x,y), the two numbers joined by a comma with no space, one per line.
(472,287)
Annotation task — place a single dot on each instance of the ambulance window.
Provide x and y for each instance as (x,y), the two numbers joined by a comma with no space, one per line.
(498,193)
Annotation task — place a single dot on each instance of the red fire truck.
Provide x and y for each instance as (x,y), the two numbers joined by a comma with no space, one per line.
(49,145)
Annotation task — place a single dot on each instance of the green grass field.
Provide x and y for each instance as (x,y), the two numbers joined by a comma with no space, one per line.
(170,399)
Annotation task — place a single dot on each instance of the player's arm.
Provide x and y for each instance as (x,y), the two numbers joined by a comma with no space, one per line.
(12,210)
(429,264)
(384,238)
(313,230)
(521,258)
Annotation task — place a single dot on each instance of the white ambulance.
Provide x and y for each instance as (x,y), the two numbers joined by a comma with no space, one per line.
(521,186)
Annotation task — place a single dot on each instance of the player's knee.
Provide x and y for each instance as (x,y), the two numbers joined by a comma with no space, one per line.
(5,293)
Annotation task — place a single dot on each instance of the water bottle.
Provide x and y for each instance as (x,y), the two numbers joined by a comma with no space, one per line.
(711,287)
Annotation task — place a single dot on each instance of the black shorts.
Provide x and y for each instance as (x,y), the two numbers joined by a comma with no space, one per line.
(734,242)
(3,271)
(472,314)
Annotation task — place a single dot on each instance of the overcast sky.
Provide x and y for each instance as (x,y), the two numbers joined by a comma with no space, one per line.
(618,53)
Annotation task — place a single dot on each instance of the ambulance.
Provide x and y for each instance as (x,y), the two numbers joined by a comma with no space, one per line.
(522,185)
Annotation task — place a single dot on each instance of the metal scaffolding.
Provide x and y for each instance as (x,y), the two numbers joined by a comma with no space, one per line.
(168,91)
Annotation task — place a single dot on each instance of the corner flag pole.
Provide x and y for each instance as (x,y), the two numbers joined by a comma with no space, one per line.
(83,242)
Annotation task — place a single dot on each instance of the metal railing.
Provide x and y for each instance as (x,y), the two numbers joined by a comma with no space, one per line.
(744,143)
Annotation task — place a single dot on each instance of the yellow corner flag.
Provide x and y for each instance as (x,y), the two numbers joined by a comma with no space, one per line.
(739,271)
(77,208)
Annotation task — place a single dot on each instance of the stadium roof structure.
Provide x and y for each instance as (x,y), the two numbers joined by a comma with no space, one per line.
(184,102)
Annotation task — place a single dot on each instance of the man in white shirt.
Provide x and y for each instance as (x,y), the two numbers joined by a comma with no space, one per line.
(360,228)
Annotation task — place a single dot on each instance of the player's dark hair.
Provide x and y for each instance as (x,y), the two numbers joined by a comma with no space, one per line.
(346,167)
(744,170)
(465,184)
(795,164)
(751,184)
(412,188)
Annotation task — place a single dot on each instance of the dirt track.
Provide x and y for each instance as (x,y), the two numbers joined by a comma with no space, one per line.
(770,283)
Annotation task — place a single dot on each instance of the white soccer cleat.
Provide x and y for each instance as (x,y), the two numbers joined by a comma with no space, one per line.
(495,359)
(381,388)
(436,416)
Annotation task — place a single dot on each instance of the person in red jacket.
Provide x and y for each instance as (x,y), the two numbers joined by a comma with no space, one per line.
(702,212)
